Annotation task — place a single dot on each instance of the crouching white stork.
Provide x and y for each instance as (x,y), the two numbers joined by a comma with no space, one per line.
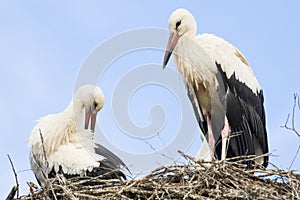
(69,149)
(226,96)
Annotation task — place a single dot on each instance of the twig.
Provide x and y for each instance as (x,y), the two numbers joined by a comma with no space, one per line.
(150,145)
(12,193)
(292,128)
(47,166)
(44,151)
(154,149)
(196,180)
(163,142)
(16,176)
(294,158)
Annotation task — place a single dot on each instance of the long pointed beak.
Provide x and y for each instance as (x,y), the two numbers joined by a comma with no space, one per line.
(87,118)
(93,121)
(90,115)
(173,39)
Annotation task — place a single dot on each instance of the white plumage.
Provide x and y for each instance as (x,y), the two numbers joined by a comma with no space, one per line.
(226,96)
(231,58)
(69,148)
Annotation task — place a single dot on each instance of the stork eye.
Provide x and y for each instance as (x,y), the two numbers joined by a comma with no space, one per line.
(178,24)
(95,104)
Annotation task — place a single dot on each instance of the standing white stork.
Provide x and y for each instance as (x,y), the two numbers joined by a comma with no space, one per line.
(226,97)
(69,149)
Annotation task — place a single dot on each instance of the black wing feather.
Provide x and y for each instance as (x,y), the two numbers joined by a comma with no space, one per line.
(111,163)
(246,117)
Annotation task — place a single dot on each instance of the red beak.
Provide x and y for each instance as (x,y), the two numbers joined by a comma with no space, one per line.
(173,39)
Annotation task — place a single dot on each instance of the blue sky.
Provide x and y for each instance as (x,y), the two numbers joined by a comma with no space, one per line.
(44,46)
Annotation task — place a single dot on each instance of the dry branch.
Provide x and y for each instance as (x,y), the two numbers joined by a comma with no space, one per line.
(15,189)
(293,127)
(196,180)
(12,193)
(45,169)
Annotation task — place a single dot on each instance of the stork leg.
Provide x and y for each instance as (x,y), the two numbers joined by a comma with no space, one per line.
(224,135)
(211,138)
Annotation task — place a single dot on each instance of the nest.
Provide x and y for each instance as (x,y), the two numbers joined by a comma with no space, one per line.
(195,180)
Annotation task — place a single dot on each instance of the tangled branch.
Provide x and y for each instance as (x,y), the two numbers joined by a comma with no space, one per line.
(195,180)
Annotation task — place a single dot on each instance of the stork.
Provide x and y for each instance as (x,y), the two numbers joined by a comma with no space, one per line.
(226,96)
(66,148)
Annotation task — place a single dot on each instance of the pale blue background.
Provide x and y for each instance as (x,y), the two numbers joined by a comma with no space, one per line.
(43,45)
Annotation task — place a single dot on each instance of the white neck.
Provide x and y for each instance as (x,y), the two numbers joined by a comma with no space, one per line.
(193,62)
(57,129)
(74,111)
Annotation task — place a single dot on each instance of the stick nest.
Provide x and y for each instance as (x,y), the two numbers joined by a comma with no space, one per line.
(195,180)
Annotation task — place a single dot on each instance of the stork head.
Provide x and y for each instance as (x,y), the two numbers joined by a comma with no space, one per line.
(92,99)
(181,23)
